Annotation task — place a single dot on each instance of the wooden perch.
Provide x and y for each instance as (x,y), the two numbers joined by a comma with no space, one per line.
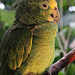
(60,64)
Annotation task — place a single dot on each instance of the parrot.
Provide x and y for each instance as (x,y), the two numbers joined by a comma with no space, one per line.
(28,46)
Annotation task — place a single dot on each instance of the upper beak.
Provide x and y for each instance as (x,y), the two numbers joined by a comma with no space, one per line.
(55,15)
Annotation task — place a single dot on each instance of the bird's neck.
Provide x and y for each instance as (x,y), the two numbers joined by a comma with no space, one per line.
(46,30)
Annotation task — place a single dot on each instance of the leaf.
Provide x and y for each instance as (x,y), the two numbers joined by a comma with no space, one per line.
(71,70)
(61,73)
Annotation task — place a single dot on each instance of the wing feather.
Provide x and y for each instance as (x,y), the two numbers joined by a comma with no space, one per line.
(16,45)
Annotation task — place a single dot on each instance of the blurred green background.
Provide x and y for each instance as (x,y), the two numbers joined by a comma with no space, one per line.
(7,16)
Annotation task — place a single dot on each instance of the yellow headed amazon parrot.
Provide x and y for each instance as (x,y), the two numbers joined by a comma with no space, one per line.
(28,46)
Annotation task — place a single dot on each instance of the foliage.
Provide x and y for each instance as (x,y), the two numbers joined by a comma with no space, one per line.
(61,73)
(66,4)
(71,70)
(8,2)
(6,18)
(59,53)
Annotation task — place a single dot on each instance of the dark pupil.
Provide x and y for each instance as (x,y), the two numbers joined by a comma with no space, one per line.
(44,5)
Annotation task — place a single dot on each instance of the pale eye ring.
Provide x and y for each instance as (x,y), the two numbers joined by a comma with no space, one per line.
(44,6)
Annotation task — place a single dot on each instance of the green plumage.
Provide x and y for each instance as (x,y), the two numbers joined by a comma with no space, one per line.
(28,46)
(42,53)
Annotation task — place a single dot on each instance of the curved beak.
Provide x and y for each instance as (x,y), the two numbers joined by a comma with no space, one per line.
(55,15)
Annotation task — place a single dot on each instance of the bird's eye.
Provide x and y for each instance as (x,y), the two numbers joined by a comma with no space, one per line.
(45,6)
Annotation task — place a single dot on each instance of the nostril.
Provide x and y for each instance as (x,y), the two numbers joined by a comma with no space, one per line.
(55,8)
(52,15)
(56,17)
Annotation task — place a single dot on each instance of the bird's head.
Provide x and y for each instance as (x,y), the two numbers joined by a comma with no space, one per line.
(37,11)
